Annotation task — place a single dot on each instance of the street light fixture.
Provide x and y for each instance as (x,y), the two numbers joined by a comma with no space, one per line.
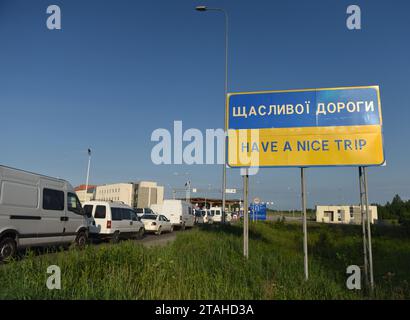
(202,9)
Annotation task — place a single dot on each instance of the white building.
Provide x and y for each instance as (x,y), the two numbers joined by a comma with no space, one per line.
(137,195)
(123,192)
(84,195)
(343,214)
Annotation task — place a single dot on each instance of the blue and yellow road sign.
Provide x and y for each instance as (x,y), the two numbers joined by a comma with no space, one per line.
(303,128)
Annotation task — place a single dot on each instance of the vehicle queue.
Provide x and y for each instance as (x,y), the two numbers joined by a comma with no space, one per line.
(41,211)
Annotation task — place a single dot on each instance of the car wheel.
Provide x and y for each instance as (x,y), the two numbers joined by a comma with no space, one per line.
(140,233)
(115,237)
(159,231)
(81,240)
(8,249)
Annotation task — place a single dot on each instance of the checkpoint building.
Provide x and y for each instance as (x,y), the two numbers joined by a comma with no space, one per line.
(343,214)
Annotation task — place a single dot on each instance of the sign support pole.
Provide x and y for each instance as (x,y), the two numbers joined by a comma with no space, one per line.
(369,231)
(305,239)
(363,220)
(245,215)
(366,230)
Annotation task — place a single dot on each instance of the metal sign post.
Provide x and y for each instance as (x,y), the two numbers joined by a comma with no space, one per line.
(363,220)
(245,215)
(369,231)
(367,234)
(305,247)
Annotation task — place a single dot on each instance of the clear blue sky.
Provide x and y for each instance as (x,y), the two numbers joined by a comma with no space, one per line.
(120,69)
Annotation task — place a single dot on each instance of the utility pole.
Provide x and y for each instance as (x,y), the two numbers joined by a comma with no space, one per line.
(88,175)
(203,9)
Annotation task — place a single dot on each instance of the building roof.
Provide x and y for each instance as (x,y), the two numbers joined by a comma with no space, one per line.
(82,187)
(214,201)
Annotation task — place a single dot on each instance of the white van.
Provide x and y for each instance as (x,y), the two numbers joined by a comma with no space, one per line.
(113,221)
(36,210)
(208,218)
(216,213)
(179,212)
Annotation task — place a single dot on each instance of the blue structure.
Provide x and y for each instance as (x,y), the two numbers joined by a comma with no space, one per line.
(257,212)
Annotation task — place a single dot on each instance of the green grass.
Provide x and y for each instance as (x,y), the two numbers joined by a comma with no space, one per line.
(207,263)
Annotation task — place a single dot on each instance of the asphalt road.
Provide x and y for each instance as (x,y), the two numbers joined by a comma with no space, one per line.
(151,240)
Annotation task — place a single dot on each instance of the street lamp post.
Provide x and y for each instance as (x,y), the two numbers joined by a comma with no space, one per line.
(88,173)
(201,9)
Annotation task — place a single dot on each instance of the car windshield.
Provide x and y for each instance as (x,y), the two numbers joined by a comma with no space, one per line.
(149,217)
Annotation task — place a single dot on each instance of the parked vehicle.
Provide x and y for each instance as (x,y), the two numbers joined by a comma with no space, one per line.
(199,219)
(179,212)
(156,223)
(113,221)
(228,216)
(216,214)
(141,211)
(37,210)
(208,218)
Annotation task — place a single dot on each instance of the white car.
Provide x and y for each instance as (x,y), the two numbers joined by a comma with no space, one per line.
(157,223)
(36,210)
(113,221)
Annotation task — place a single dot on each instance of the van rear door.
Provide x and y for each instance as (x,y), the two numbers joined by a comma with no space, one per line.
(19,208)
(102,219)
